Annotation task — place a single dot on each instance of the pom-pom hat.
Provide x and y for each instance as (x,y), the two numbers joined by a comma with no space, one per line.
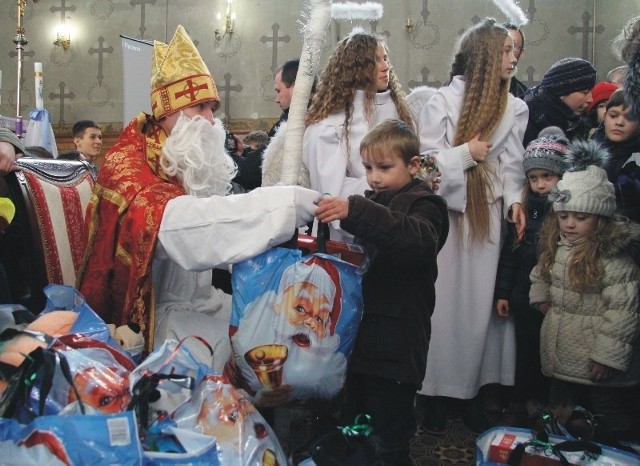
(584,186)
(569,75)
(179,77)
(547,152)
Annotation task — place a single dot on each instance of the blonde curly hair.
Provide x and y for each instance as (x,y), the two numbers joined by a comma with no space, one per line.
(479,60)
(352,67)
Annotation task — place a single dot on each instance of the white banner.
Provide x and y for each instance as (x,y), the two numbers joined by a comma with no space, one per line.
(136,79)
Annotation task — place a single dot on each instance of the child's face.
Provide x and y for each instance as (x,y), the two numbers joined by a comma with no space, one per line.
(578,101)
(576,225)
(542,181)
(618,127)
(389,170)
(509,60)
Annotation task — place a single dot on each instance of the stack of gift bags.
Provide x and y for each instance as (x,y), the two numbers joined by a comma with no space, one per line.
(73,391)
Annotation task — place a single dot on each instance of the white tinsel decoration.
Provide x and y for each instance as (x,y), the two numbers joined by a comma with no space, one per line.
(513,11)
(351,11)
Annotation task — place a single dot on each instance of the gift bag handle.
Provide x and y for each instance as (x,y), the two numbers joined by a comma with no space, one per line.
(323,236)
(49,367)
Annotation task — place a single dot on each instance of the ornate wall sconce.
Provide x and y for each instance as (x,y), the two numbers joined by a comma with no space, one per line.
(63,36)
(227,21)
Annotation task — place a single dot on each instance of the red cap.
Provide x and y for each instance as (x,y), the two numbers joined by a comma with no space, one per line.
(601,92)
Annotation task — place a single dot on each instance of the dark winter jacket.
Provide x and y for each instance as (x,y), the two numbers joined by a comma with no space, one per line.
(403,231)
(623,170)
(284,116)
(512,281)
(545,109)
(517,88)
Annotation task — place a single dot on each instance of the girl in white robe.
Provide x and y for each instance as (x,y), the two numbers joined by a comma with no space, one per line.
(357,90)
(474,127)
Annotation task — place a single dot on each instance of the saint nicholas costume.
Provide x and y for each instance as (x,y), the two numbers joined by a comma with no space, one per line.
(151,247)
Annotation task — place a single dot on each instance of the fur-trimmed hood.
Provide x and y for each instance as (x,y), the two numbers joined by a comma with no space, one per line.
(624,239)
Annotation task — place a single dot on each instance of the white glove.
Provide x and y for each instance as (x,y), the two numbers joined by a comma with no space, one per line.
(305,200)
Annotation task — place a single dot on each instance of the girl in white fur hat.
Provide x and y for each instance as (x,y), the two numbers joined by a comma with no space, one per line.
(586,284)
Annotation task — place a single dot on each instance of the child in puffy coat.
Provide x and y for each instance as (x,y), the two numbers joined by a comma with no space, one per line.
(586,284)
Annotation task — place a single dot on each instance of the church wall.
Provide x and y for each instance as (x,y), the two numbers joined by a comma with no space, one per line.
(85,82)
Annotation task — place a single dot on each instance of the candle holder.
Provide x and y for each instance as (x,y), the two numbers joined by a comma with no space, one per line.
(63,37)
(228,22)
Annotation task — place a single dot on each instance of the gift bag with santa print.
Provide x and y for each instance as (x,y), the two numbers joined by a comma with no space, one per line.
(294,322)
(219,412)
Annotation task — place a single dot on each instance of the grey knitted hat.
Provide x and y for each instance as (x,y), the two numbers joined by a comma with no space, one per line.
(547,153)
(569,75)
(584,186)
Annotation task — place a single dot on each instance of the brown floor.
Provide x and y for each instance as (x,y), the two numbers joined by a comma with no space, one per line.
(455,447)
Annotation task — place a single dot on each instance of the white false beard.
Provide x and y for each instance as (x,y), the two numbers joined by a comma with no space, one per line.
(195,154)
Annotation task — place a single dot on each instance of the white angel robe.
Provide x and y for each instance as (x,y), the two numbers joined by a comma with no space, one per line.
(470,346)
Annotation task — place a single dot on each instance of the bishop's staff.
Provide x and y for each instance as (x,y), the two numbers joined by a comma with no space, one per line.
(20,40)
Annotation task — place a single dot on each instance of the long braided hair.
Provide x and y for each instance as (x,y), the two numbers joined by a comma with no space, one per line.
(479,60)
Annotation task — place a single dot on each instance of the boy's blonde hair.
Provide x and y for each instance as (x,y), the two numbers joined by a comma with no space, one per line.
(479,60)
(391,136)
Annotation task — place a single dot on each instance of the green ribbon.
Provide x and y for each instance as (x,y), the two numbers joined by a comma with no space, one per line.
(360,428)
(546,447)
(30,378)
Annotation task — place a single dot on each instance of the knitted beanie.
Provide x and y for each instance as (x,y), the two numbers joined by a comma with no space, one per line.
(584,186)
(569,75)
(547,153)
(601,92)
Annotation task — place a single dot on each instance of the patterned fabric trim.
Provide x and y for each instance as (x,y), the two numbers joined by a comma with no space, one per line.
(60,215)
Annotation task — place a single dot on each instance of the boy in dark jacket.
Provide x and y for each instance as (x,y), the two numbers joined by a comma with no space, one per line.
(403,225)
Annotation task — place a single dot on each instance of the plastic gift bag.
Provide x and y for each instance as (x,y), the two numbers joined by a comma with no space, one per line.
(164,380)
(219,410)
(88,323)
(294,321)
(64,380)
(71,440)
(522,447)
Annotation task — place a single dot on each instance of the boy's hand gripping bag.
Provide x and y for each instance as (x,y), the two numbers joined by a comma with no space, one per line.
(294,322)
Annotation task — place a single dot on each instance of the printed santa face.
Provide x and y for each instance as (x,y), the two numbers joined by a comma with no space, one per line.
(306,308)
(301,314)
